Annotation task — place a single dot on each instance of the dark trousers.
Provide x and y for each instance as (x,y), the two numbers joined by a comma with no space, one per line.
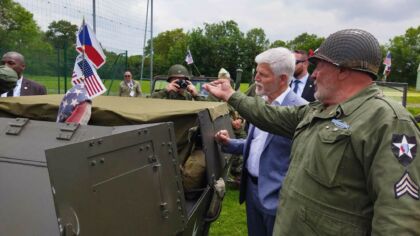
(259,223)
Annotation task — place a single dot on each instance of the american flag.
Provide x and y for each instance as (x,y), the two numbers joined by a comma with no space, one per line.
(75,96)
(188,58)
(387,63)
(85,73)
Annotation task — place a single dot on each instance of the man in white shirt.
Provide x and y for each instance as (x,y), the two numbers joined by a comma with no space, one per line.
(266,156)
(302,84)
(24,86)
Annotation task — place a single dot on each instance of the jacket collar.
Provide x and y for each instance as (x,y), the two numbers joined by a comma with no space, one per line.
(349,106)
(357,100)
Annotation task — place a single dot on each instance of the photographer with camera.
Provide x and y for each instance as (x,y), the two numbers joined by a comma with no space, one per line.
(179,86)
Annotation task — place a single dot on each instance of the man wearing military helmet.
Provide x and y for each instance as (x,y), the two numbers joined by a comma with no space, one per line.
(179,86)
(354,168)
(8,78)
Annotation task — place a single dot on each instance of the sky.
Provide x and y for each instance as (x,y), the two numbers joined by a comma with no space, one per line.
(121,24)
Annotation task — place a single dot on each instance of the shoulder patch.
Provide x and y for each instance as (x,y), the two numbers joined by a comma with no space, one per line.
(404,148)
(406,185)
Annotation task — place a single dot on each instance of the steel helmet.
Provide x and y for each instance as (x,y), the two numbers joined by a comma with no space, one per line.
(178,71)
(8,78)
(351,48)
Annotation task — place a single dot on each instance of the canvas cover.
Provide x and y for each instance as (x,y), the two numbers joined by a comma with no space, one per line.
(115,111)
(110,110)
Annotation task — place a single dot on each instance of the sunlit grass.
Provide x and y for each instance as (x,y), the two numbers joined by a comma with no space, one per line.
(232,220)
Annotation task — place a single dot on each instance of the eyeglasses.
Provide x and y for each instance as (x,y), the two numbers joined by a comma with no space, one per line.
(299,61)
(127,75)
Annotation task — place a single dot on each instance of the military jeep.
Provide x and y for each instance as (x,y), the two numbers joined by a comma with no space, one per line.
(118,175)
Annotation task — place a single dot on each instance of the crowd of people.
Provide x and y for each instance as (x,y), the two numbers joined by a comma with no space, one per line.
(324,153)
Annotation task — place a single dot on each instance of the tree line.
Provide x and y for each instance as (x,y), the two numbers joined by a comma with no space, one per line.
(214,45)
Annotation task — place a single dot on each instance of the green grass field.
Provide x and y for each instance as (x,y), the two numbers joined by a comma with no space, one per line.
(232,220)
(52,84)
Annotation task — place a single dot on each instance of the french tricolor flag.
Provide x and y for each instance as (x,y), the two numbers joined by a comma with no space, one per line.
(88,44)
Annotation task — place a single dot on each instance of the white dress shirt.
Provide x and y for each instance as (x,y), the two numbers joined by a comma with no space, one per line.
(259,138)
(16,90)
(300,85)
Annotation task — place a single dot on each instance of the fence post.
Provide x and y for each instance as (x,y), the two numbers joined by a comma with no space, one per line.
(58,69)
(126,60)
(65,66)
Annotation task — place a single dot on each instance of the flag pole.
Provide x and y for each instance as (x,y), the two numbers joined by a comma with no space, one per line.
(144,44)
(83,49)
(196,69)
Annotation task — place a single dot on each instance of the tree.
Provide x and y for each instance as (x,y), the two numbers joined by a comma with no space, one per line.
(278,43)
(253,44)
(61,33)
(19,32)
(305,42)
(217,45)
(405,51)
(17,26)
(169,48)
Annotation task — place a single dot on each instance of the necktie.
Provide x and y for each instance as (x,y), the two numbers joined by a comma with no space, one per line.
(10,93)
(296,82)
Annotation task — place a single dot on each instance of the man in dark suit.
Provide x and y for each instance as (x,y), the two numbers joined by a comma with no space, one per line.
(24,87)
(302,83)
(266,156)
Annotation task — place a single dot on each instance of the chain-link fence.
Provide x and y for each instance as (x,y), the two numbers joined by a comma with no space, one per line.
(117,29)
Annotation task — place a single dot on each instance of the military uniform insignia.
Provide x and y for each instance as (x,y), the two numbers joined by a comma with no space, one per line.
(406,186)
(404,148)
(340,124)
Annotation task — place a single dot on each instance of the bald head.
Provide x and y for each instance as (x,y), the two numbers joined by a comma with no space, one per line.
(14,60)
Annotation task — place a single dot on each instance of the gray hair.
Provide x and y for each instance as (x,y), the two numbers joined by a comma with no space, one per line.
(16,56)
(281,60)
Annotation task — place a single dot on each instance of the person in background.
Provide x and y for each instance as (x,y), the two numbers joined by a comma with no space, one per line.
(129,87)
(354,162)
(266,156)
(179,86)
(238,126)
(302,84)
(24,86)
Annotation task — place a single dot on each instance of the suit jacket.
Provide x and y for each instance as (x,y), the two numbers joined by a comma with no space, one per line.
(125,90)
(29,88)
(309,90)
(274,161)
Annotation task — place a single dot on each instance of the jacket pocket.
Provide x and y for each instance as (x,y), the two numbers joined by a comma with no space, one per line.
(316,222)
(324,164)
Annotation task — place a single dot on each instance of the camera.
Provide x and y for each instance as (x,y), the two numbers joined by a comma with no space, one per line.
(183,84)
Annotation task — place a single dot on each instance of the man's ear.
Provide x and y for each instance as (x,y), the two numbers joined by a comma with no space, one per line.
(284,78)
(344,74)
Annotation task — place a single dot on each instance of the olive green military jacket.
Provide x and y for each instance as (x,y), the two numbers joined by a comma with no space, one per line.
(355,168)
(125,90)
(176,96)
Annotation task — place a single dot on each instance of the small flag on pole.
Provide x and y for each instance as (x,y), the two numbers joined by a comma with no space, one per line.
(85,73)
(87,44)
(188,58)
(311,52)
(75,106)
(387,63)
